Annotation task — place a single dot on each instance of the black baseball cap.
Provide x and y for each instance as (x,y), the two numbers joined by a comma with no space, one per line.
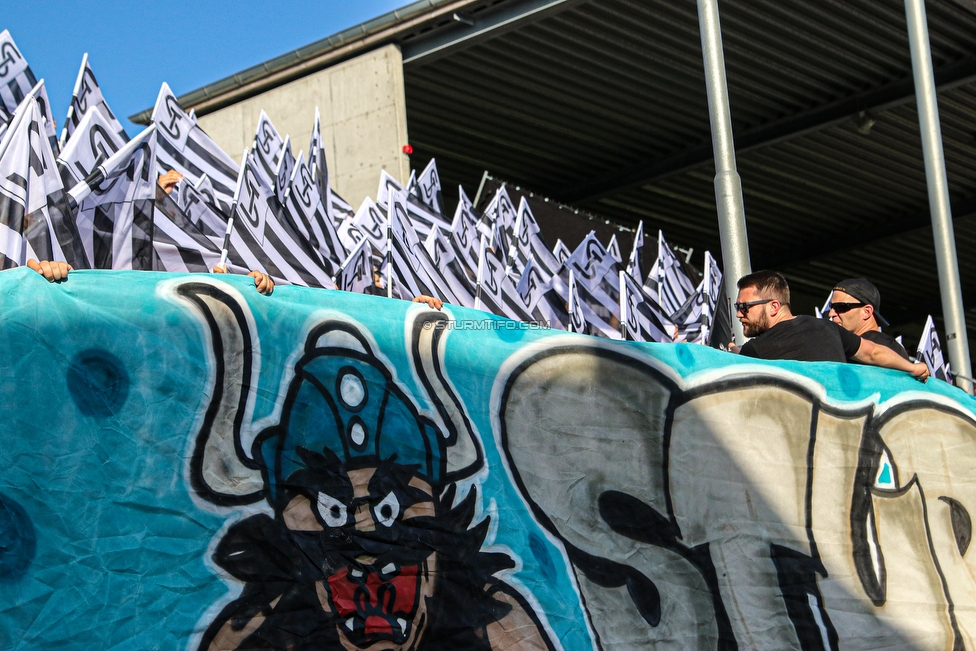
(864,291)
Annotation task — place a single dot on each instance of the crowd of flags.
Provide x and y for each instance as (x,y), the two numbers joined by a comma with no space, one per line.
(89,196)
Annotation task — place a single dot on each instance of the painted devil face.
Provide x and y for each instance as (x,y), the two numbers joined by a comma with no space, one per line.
(361,527)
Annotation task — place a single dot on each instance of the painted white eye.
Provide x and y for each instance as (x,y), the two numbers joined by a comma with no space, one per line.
(332,510)
(351,391)
(387,511)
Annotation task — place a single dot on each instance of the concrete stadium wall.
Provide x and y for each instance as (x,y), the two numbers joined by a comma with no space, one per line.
(364,120)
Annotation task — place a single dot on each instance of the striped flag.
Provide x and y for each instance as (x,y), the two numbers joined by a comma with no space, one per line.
(697,315)
(639,320)
(637,253)
(370,223)
(196,202)
(17,82)
(286,165)
(560,251)
(614,249)
(388,186)
(465,237)
(667,283)
(501,212)
(91,144)
(356,272)
(411,264)
(495,291)
(185,147)
(308,215)
(527,239)
(35,218)
(823,313)
(930,352)
(318,165)
(115,206)
(178,245)
(445,261)
(258,226)
(267,150)
(87,95)
(428,188)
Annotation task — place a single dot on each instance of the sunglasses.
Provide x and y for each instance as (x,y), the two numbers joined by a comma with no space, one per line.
(841,308)
(745,307)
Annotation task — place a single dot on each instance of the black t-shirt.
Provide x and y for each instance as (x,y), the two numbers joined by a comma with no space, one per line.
(878,337)
(804,339)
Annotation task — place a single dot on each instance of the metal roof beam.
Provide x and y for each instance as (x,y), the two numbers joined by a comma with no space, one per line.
(882,98)
(473,28)
(860,237)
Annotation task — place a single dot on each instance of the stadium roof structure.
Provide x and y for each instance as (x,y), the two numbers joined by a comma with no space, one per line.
(601,104)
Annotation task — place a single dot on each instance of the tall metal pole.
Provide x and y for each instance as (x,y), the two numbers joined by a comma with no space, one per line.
(957,340)
(728,185)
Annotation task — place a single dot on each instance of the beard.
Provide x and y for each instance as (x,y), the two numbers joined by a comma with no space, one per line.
(757,327)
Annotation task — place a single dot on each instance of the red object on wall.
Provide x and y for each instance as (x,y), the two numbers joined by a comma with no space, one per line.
(408,149)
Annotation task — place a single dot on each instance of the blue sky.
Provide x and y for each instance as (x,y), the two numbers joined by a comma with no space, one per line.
(133,47)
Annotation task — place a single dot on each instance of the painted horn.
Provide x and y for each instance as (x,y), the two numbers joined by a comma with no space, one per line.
(220,470)
(428,337)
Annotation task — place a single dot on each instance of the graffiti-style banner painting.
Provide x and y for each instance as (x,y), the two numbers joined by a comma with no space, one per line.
(188,464)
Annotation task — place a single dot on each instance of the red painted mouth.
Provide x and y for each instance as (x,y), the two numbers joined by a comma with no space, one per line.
(376,604)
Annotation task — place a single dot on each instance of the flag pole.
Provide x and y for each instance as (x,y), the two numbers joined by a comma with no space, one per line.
(481,273)
(728,184)
(957,339)
(623,304)
(233,211)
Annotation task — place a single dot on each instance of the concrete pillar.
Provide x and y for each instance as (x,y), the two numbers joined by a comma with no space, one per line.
(364,120)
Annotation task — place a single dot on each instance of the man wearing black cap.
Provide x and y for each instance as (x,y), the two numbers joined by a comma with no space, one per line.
(855,306)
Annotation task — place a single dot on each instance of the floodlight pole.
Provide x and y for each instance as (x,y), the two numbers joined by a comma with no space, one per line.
(957,340)
(728,185)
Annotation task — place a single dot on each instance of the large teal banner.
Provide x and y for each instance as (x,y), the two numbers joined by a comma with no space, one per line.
(187,464)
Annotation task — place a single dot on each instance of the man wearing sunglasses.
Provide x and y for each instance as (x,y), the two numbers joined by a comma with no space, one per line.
(855,306)
(763,308)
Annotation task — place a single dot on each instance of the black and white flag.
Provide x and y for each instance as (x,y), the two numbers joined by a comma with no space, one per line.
(413,266)
(445,260)
(356,272)
(500,212)
(667,282)
(91,144)
(256,225)
(637,253)
(560,251)
(824,312)
(35,218)
(930,352)
(197,203)
(428,188)
(495,291)
(185,147)
(309,215)
(286,165)
(370,222)
(17,82)
(465,237)
(318,165)
(267,150)
(614,249)
(638,318)
(577,321)
(115,206)
(87,96)
(388,186)
(178,245)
